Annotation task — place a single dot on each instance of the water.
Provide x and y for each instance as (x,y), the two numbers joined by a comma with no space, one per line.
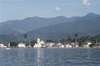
(50,57)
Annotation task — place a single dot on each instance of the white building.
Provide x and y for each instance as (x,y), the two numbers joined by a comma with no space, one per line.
(50,44)
(62,46)
(39,43)
(2,45)
(68,46)
(87,43)
(21,45)
(76,45)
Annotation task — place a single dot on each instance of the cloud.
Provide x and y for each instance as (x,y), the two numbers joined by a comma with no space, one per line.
(57,9)
(86,3)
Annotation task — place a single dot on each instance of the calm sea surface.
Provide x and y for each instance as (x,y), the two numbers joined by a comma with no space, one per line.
(50,57)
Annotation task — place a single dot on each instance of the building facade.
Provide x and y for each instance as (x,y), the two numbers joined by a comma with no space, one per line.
(39,43)
(21,45)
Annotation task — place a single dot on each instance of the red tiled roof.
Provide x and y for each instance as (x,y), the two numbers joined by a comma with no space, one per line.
(55,43)
(97,43)
(88,41)
(76,43)
(1,43)
(67,44)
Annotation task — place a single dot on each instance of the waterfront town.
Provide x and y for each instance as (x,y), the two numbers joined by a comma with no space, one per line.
(42,44)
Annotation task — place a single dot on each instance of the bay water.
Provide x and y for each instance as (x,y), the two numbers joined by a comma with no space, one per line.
(50,57)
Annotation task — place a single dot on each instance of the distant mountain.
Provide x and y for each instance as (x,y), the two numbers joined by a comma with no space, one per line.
(50,28)
(86,25)
(29,24)
(92,15)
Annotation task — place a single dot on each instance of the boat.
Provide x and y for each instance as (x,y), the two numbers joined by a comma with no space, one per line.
(7,48)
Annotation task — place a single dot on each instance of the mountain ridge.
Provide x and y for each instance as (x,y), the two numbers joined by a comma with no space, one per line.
(28,24)
(50,28)
(83,26)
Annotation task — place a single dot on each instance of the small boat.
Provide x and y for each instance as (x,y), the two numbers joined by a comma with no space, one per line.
(7,48)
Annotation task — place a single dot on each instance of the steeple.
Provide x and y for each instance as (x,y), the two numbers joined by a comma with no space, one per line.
(38,40)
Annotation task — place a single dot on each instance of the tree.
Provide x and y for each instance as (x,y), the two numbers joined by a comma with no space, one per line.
(82,38)
(27,44)
(69,39)
(81,43)
(33,42)
(25,36)
(13,43)
(63,40)
(96,37)
(88,38)
(75,37)
(91,45)
(49,40)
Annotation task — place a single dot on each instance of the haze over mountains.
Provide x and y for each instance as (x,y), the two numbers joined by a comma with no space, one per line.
(29,24)
(86,25)
(53,28)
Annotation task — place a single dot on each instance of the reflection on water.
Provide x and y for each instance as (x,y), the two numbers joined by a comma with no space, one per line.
(39,56)
(50,57)
(21,55)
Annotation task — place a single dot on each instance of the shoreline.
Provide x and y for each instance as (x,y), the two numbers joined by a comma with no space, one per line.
(59,48)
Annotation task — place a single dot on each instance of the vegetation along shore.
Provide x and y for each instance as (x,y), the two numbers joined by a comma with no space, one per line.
(69,42)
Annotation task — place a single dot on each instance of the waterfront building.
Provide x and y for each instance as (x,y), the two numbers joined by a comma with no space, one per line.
(2,45)
(49,45)
(76,45)
(39,43)
(68,46)
(21,45)
(62,46)
(29,46)
(88,43)
(56,45)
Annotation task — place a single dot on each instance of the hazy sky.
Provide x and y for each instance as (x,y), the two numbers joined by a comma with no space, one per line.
(20,9)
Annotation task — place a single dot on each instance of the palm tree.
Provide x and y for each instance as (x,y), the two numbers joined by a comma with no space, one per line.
(96,37)
(25,36)
(75,37)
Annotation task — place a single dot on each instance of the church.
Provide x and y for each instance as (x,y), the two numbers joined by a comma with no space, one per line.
(39,43)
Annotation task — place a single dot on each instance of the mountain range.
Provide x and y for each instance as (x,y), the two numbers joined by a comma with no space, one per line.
(52,28)
(29,24)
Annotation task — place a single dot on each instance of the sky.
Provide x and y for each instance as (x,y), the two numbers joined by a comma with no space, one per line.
(21,9)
